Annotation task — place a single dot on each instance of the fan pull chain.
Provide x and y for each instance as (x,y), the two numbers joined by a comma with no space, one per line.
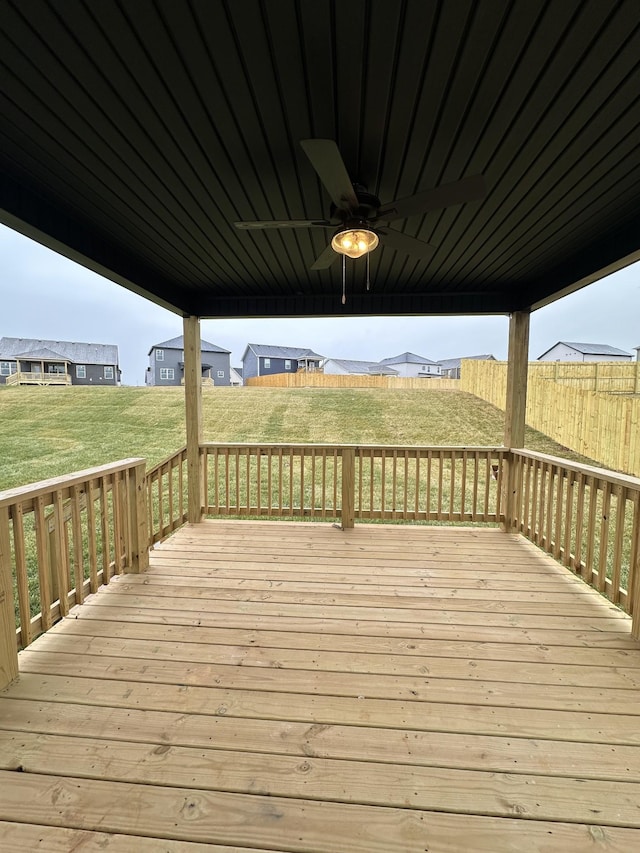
(368,279)
(344,279)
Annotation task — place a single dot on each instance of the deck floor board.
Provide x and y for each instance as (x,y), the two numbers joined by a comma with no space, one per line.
(294,687)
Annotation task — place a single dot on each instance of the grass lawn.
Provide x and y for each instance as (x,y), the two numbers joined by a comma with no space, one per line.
(46,432)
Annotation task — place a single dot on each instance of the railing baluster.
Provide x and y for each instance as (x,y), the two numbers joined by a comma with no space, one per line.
(45,567)
(604,537)
(78,556)
(621,508)
(60,554)
(568,519)
(92,538)
(22,579)
(104,524)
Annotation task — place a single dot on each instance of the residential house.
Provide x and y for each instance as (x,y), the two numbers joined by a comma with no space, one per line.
(235,377)
(265,360)
(412,365)
(568,351)
(450,367)
(30,361)
(166,363)
(349,367)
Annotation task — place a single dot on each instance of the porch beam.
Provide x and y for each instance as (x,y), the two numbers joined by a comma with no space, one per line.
(517,367)
(193,415)
(516,409)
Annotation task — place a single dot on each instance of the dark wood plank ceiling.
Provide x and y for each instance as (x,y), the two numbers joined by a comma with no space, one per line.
(133,134)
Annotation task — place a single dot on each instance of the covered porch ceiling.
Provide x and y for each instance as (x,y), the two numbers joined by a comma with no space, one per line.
(133,136)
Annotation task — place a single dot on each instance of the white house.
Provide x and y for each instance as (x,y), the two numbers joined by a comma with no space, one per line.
(567,351)
(349,367)
(410,364)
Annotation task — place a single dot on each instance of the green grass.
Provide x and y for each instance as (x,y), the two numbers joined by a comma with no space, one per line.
(47,432)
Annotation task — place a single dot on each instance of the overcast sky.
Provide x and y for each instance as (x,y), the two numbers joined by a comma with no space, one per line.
(43,295)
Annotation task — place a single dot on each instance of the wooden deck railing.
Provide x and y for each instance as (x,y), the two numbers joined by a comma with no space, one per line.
(167,496)
(455,484)
(61,538)
(587,518)
(22,377)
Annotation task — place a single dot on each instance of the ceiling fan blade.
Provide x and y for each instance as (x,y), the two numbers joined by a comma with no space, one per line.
(283,223)
(459,192)
(324,261)
(405,244)
(326,159)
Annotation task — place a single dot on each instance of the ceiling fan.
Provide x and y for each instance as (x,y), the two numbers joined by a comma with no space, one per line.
(358,218)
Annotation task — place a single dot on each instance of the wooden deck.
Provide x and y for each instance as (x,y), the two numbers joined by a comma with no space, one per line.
(293,687)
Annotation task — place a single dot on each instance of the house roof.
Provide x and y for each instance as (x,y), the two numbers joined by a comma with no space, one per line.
(178,343)
(238,370)
(137,134)
(363,367)
(269,351)
(451,363)
(78,353)
(590,349)
(407,358)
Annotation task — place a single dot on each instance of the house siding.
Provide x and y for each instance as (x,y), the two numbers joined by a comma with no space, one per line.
(219,361)
(249,365)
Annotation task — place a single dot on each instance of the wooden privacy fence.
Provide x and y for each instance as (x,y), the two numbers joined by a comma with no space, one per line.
(602,426)
(455,484)
(326,380)
(61,538)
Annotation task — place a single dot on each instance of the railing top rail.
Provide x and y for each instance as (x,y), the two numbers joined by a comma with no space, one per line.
(590,470)
(43,487)
(318,445)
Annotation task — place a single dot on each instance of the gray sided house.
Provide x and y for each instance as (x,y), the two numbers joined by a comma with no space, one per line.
(450,367)
(30,361)
(166,363)
(265,360)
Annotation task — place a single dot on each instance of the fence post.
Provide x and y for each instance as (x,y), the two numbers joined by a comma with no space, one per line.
(139,545)
(348,487)
(8,644)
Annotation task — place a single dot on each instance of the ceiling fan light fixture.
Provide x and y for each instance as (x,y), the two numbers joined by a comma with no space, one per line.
(354,242)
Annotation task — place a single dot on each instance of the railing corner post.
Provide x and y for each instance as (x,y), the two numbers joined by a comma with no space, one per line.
(138,516)
(8,644)
(348,487)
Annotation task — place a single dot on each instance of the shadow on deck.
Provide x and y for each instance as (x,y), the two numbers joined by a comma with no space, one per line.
(294,687)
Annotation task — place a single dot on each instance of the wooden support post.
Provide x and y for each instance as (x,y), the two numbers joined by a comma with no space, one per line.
(516,405)
(8,644)
(193,414)
(348,487)
(139,545)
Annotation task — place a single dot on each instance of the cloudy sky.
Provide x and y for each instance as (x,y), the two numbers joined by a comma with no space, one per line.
(43,295)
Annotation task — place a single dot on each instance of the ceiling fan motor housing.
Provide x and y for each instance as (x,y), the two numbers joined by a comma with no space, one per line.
(368,205)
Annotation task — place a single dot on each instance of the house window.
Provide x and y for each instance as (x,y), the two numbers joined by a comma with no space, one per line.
(287,364)
(221,374)
(159,355)
(81,371)
(7,368)
(166,373)
(267,363)
(108,373)
(55,368)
